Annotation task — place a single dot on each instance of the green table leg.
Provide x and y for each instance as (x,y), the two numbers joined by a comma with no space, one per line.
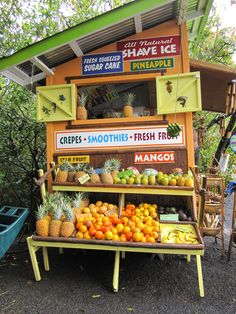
(61,250)
(45,258)
(116,272)
(200,279)
(188,258)
(34,261)
(123,255)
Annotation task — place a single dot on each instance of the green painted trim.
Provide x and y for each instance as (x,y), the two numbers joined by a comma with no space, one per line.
(102,21)
(133,190)
(202,24)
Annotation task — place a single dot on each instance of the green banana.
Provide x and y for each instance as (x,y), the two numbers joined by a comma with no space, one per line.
(173,129)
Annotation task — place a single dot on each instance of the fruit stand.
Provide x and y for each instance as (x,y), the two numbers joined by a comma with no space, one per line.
(119,87)
(119,151)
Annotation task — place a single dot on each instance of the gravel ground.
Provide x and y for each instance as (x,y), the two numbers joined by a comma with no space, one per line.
(81,282)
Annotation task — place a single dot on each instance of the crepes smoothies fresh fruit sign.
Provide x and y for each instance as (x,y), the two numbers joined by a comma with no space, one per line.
(150,47)
(108,138)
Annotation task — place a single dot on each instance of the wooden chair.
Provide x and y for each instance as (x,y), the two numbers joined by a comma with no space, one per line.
(232,240)
(213,212)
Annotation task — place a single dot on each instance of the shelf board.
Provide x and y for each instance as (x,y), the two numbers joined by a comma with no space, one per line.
(93,123)
(126,189)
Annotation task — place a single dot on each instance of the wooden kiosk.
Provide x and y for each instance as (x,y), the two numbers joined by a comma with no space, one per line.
(154,65)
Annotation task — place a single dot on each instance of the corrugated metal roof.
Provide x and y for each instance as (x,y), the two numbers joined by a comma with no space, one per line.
(106,28)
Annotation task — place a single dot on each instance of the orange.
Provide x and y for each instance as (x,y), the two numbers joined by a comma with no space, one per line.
(123,237)
(124,220)
(128,236)
(87,235)
(98,203)
(99,235)
(119,227)
(108,235)
(79,235)
(140,225)
(114,231)
(92,231)
(143,239)
(147,230)
(154,234)
(116,237)
(83,228)
(151,239)
(137,237)
(126,229)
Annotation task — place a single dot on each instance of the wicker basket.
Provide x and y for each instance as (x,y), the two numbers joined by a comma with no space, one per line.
(213,208)
(211,231)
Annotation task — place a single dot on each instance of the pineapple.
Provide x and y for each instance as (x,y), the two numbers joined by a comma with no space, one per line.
(106,175)
(62,173)
(42,223)
(81,170)
(128,107)
(94,177)
(81,112)
(85,200)
(115,165)
(76,203)
(55,224)
(71,174)
(67,226)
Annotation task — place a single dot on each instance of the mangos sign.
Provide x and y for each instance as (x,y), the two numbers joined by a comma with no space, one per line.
(150,47)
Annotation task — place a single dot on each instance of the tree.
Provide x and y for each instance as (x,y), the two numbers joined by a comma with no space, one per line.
(22,139)
(216,45)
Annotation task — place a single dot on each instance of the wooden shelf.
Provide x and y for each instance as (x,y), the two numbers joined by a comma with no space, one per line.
(126,189)
(93,123)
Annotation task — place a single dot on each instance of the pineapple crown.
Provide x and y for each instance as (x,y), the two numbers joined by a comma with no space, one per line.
(77,200)
(82,99)
(66,166)
(91,170)
(68,211)
(41,212)
(112,165)
(81,167)
(57,212)
(129,98)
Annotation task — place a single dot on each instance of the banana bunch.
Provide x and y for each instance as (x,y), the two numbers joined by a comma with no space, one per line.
(179,237)
(173,129)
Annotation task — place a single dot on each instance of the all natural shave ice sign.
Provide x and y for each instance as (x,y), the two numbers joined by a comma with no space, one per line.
(150,47)
(106,138)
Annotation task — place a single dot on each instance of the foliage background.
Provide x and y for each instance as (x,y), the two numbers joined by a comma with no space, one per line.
(22,139)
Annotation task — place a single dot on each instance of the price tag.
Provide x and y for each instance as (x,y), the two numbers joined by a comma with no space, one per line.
(169,217)
(110,212)
(84,179)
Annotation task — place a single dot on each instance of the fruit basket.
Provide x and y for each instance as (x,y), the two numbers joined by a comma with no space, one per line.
(212,231)
(213,208)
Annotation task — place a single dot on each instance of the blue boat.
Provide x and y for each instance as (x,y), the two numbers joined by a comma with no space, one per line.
(11,222)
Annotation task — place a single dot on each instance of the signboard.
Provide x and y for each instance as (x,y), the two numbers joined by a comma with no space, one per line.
(233,143)
(73,159)
(123,137)
(152,64)
(165,46)
(104,63)
(154,157)
(169,217)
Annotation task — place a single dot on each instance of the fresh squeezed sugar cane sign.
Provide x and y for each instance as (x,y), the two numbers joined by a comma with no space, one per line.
(103,63)
(150,47)
(108,138)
